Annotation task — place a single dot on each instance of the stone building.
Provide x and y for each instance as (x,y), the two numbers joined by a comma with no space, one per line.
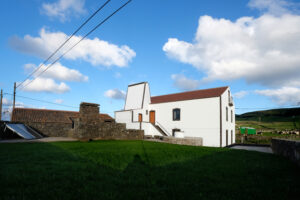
(88,123)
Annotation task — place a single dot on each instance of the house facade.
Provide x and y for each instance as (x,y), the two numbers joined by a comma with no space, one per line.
(208,114)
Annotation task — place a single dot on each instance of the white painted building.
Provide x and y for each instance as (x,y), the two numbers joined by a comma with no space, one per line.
(208,114)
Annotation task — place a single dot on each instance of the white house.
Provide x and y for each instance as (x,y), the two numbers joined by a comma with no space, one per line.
(207,113)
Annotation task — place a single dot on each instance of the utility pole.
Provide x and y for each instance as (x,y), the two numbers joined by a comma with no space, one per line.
(1,96)
(14,96)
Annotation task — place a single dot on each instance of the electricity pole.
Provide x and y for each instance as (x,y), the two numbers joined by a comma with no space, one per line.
(1,96)
(14,96)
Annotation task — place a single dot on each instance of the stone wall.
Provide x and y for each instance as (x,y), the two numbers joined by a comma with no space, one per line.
(86,125)
(90,126)
(192,141)
(287,148)
(51,129)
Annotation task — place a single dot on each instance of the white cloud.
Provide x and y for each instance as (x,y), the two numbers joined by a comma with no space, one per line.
(183,83)
(57,72)
(274,7)
(45,85)
(63,9)
(282,96)
(94,51)
(262,50)
(115,94)
(240,94)
(60,101)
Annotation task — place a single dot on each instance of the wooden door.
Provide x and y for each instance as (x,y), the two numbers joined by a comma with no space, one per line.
(140,117)
(152,117)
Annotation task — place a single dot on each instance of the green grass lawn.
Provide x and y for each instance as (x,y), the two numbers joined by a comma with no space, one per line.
(142,170)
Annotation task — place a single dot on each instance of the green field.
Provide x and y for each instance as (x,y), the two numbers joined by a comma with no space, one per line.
(267,125)
(277,119)
(142,170)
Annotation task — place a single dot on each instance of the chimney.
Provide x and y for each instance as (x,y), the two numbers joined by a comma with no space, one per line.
(89,113)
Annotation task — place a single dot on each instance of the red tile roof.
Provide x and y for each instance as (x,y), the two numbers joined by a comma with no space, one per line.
(197,94)
(50,116)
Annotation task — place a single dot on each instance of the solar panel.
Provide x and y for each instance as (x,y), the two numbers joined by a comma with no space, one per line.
(23,131)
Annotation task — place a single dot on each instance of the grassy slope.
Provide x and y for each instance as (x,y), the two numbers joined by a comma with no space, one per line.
(142,170)
(278,119)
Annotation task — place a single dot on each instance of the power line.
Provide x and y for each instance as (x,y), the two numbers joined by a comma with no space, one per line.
(45,61)
(102,22)
(43,101)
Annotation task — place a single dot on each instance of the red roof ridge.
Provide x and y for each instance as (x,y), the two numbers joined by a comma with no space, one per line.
(189,95)
(192,91)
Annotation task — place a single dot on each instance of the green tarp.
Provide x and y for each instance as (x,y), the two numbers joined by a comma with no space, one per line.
(250,131)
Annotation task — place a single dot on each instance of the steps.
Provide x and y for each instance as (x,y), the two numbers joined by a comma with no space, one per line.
(160,130)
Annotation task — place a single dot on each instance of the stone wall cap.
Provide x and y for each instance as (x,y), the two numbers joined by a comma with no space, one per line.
(89,104)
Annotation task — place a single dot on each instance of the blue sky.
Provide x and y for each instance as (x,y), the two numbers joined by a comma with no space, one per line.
(252,46)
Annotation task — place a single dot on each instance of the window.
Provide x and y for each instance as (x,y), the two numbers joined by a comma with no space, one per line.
(227,114)
(226,137)
(176,114)
(73,124)
(231,116)
(146,112)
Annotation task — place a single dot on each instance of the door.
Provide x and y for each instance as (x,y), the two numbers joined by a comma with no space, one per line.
(152,117)
(140,117)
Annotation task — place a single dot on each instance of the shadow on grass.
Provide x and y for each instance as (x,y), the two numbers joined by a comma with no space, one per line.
(128,170)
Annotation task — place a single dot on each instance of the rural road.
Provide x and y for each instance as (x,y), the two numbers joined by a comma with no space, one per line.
(253,148)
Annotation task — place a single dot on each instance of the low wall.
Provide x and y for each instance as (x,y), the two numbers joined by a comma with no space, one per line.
(287,148)
(107,131)
(103,130)
(192,141)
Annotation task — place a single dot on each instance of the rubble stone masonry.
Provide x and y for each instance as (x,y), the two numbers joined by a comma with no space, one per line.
(85,125)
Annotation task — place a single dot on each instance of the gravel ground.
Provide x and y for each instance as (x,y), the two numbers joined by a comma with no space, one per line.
(253,148)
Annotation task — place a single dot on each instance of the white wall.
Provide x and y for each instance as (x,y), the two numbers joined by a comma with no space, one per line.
(199,118)
(123,116)
(134,97)
(227,125)
(147,96)
(150,129)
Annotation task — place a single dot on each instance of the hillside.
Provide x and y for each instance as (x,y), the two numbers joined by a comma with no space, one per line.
(286,118)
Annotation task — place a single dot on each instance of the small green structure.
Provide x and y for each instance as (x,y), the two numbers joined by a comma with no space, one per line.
(250,131)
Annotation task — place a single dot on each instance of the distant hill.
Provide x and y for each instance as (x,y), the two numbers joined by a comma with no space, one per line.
(275,115)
